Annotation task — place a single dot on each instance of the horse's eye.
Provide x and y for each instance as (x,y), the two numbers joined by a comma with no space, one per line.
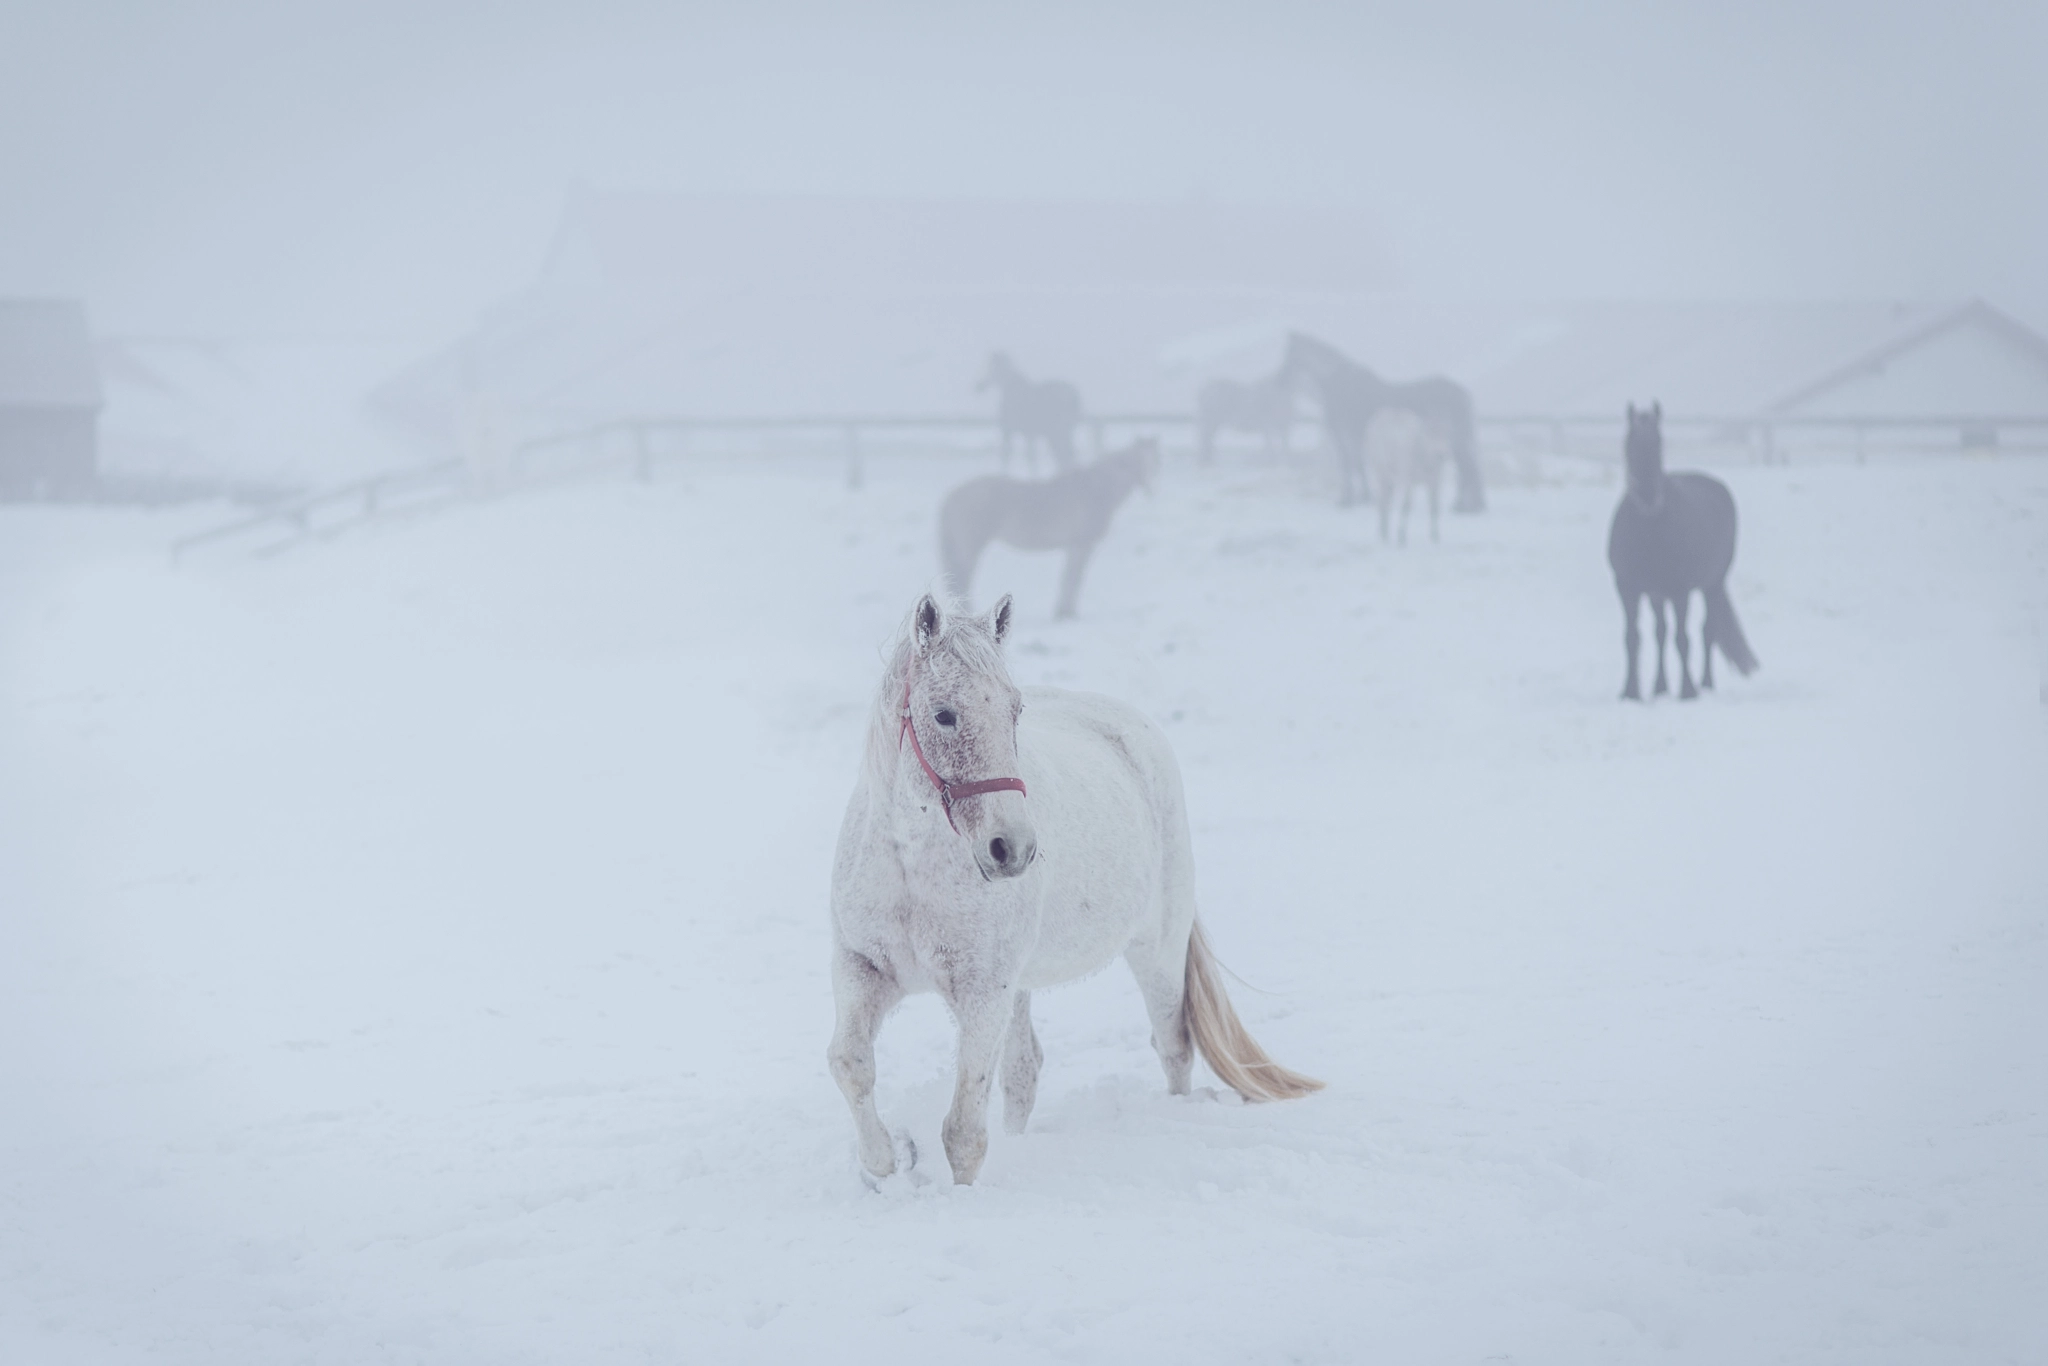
(946,718)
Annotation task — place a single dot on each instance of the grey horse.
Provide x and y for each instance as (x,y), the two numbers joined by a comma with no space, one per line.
(1069,512)
(1265,406)
(1041,410)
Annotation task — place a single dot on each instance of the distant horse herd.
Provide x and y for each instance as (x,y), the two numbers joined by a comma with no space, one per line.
(1673,534)
(989,850)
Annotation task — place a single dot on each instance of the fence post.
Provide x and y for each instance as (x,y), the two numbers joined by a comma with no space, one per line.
(854,473)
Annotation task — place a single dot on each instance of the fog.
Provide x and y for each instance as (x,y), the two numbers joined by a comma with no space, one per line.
(470,479)
(390,169)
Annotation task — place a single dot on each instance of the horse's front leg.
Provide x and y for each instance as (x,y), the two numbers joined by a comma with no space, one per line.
(1663,685)
(1681,608)
(1631,642)
(984,1018)
(864,994)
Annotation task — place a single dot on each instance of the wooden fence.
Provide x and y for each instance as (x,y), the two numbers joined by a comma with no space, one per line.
(640,442)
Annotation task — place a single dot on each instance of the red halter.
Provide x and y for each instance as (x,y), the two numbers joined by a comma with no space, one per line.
(949,792)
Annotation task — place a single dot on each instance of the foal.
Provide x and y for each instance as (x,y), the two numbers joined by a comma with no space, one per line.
(1071,512)
(1403,449)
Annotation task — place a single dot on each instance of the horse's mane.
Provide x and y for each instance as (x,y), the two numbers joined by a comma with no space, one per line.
(1327,356)
(963,635)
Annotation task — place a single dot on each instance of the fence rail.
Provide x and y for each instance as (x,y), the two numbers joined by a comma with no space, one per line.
(328,511)
(332,510)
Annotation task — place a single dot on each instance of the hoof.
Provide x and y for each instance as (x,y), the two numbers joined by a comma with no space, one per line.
(1631,693)
(904,1174)
(1688,693)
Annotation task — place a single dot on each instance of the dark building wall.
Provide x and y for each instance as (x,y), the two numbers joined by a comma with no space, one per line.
(47,452)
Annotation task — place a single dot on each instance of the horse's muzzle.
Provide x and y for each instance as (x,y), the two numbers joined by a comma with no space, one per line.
(1006,854)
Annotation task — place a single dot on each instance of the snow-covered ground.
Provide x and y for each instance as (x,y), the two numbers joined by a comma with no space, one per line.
(415,943)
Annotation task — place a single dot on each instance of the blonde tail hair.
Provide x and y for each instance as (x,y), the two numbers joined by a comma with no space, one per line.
(1227,1046)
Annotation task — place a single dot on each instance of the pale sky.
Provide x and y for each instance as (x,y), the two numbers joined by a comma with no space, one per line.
(371,168)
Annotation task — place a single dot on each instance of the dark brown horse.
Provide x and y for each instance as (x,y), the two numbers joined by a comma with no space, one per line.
(1674,533)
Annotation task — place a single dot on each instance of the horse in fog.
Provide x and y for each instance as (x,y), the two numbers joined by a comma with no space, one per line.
(1265,406)
(1000,841)
(1041,410)
(1404,450)
(1069,512)
(1350,394)
(1673,533)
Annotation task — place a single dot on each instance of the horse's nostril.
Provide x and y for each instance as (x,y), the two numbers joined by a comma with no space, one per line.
(999,850)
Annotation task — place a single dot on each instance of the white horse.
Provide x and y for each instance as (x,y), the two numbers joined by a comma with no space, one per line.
(1057,840)
(1403,449)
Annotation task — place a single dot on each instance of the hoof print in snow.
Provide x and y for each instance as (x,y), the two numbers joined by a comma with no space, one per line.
(1213,1096)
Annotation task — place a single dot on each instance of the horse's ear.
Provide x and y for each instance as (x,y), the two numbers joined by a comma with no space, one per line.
(1657,412)
(1631,414)
(999,619)
(925,618)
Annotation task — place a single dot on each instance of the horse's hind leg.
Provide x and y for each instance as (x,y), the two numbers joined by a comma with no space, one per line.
(1163,985)
(1706,649)
(1631,642)
(1663,684)
(1070,578)
(960,553)
(1681,608)
(864,994)
(1062,446)
(1021,1060)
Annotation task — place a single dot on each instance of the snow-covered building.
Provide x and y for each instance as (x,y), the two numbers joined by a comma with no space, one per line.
(655,307)
(49,399)
(762,306)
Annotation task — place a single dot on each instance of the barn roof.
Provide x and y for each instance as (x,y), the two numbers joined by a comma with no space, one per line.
(46,355)
(693,306)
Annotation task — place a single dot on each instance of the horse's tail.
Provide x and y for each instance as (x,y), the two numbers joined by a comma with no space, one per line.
(1227,1046)
(1724,630)
(1465,454)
